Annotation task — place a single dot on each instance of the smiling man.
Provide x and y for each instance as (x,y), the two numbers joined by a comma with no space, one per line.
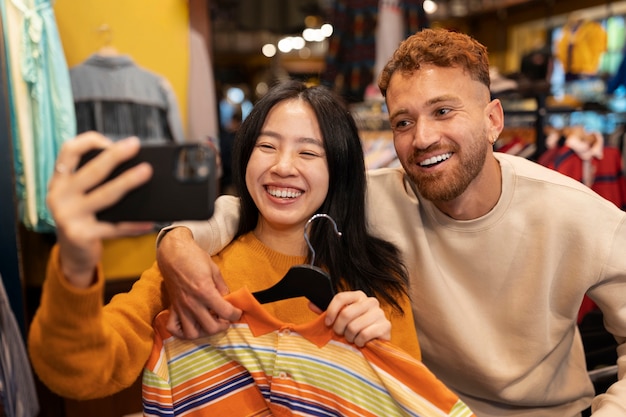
(444,128)
(500,250)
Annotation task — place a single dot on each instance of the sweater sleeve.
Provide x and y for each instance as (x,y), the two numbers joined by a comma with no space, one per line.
(214,234)
(81,349)
(610,294)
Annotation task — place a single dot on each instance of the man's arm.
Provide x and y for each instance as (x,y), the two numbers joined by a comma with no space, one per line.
(610,294)
(193,281)
(216,233)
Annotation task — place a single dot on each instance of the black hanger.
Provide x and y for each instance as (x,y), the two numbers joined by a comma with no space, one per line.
(303,280)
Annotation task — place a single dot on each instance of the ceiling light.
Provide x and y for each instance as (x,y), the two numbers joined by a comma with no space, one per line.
(430,6)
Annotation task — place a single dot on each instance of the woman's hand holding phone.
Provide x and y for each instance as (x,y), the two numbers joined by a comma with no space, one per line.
(76,195)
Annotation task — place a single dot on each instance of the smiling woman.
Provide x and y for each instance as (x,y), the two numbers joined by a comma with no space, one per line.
(287,173)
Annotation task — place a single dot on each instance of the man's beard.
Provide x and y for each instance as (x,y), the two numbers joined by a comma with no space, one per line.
(449,184)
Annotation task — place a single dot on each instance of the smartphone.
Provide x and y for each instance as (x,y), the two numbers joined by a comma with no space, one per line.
(183,184)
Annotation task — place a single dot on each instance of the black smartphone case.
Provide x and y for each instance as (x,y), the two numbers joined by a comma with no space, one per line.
(183,185)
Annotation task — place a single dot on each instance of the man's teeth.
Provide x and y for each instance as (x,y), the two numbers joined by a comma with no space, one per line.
(283,193)
(435,159)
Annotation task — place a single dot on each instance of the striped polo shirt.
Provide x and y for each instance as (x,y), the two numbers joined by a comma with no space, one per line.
(261,366)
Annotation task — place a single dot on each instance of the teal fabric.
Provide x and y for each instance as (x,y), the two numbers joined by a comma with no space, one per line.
(15,133)
(45,71)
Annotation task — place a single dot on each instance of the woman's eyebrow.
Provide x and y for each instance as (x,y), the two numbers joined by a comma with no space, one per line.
(302,139)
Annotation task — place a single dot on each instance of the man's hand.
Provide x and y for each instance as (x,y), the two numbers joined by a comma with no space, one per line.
(195,286)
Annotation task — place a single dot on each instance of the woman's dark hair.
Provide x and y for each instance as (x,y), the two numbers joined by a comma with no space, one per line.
(356,260)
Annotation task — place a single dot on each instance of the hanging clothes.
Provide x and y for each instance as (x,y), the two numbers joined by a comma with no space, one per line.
(17,386)
(581,47)
(40,101)
(390,31)
(590,162)
(351,57)
(116,97)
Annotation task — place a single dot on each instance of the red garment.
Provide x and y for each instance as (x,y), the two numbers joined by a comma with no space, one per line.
(608,180)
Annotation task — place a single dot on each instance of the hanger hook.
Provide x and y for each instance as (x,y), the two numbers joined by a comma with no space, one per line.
(306,233)
(107,31)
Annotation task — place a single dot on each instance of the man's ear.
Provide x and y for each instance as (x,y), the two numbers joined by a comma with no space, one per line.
(495,117)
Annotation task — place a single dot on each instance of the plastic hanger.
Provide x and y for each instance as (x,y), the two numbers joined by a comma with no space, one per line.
(303,280)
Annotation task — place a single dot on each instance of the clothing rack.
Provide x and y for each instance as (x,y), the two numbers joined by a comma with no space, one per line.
(541,116)
(535,117)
